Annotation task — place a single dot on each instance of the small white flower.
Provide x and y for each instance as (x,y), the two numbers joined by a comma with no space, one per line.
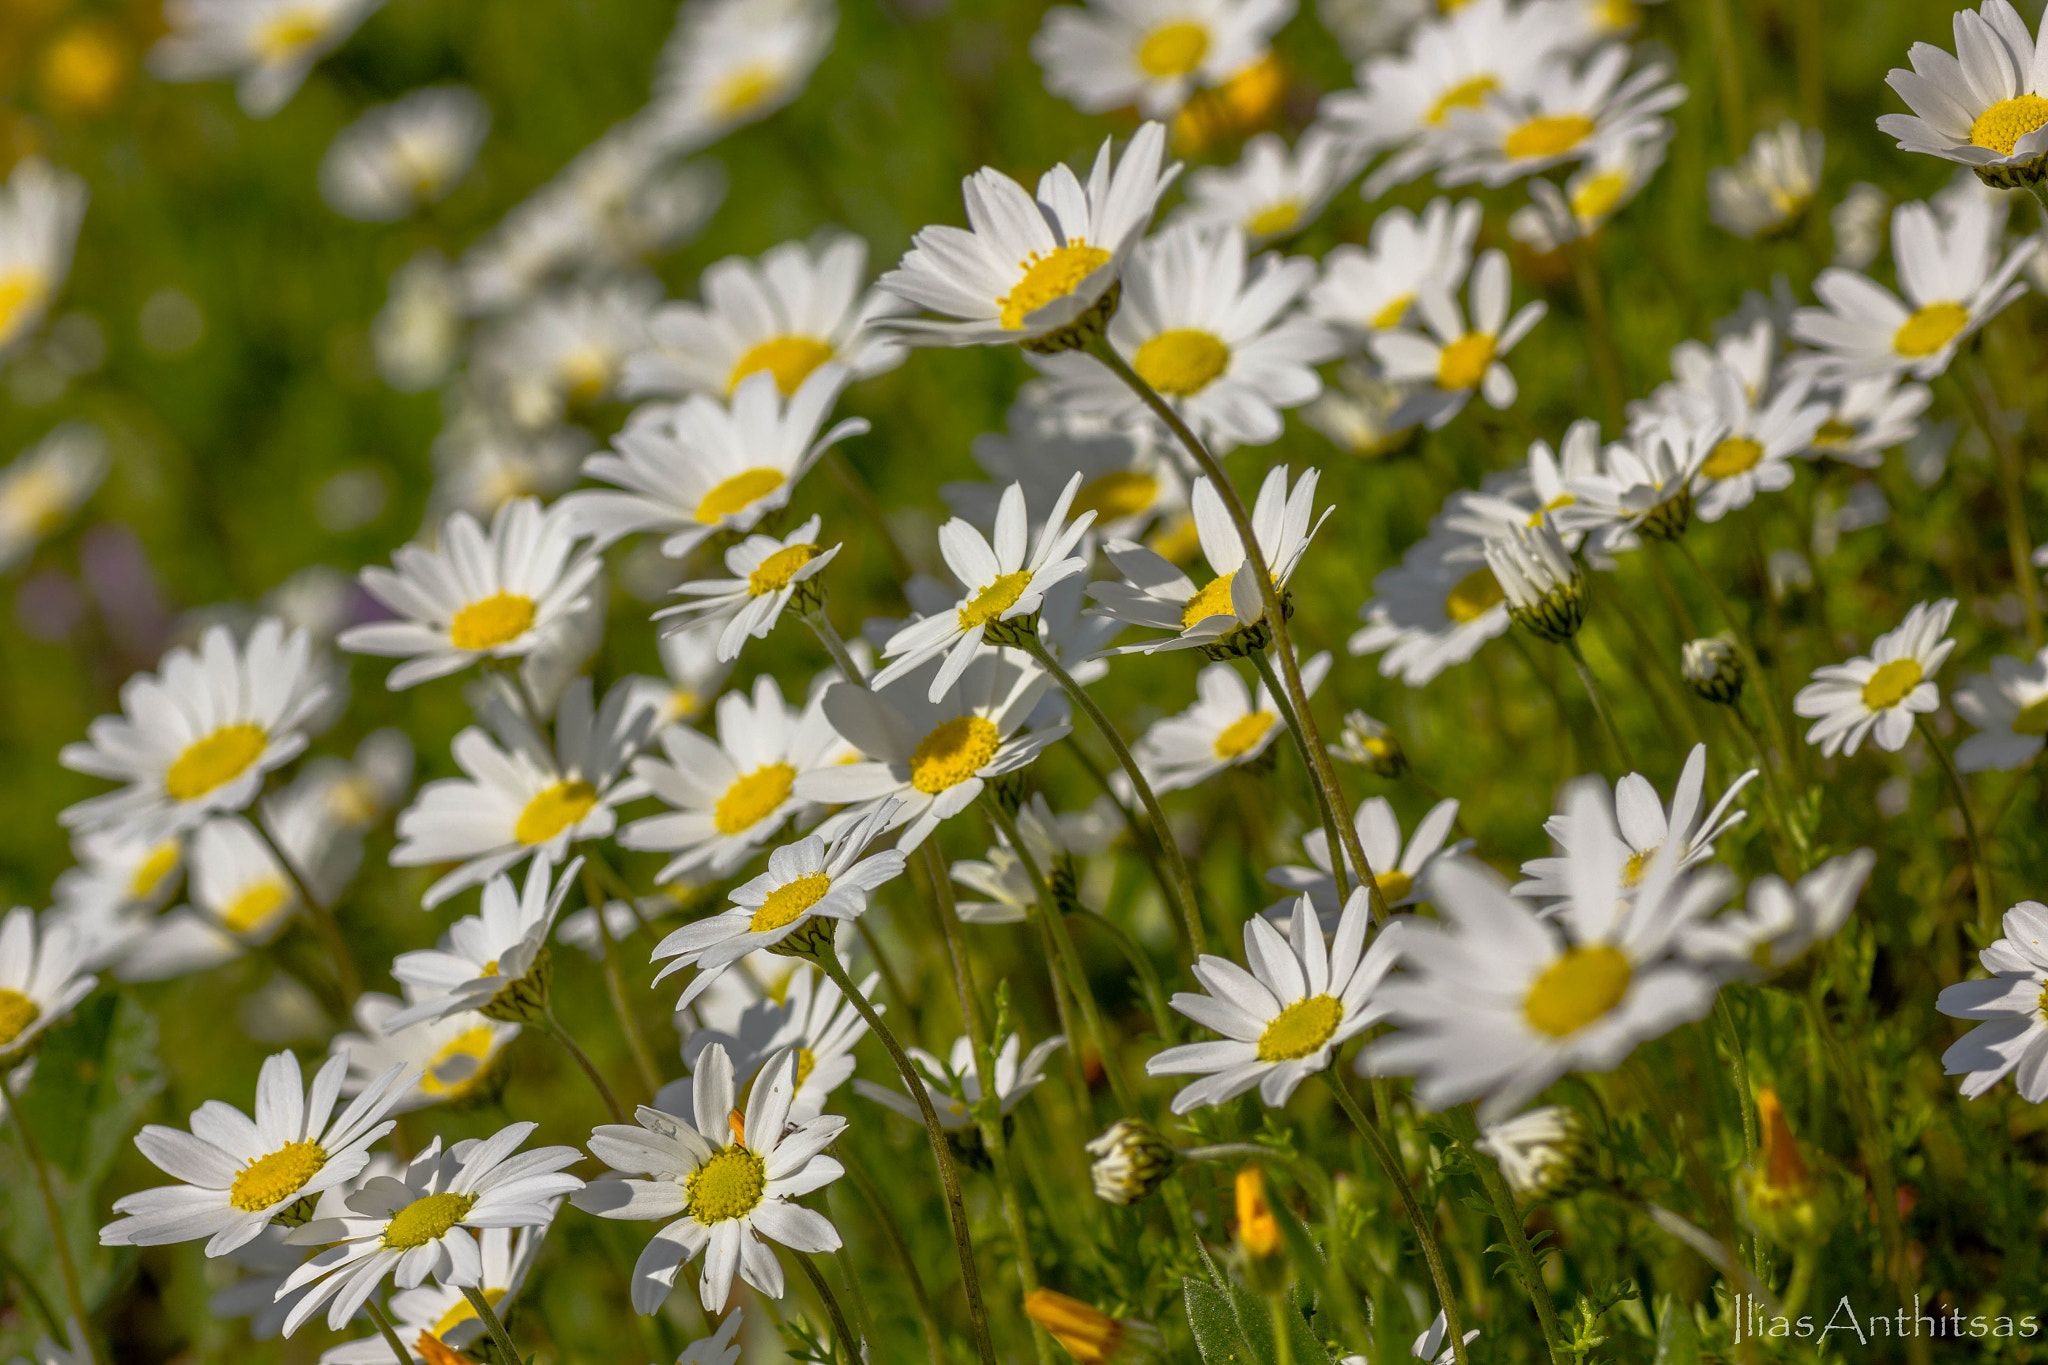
(1433,610)
(268,46)
(2009,707)
(1052,840)
(439,1315)
(1151,53)
(1880,693)
(731,62)
(1272,191)
(1536,1149)
(48,482)
(452,1054)
(1228,726)
(1984,105)
(2013,1032)
(768,573)
(42,977)
(813,1018)
(1128,478)
(564,350)
(1401,874)
(1609,178)
(954,1086)
(240,897)
(1647,479)
(1750,443)
(484,959)
(1633,824)
(1780,920)
(722,1347)
(1373,288)
(397,157)
(1561,114)
(1453,359)
(1769,188)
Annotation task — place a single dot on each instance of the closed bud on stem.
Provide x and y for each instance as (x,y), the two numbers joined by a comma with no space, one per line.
(1545,588)
(1543,1153)
(1258,1231)
(1783,1198)
(1713,670)
(526,999)
(1131,1161)
(1088,1334)
(1371,745)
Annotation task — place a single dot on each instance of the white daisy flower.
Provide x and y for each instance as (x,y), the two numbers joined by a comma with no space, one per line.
(420,1223)
(2009,707)
(1402,874)
(453,1055)
(729,1183)
(1228,726)
(47,483)
(198,735)
(1561,114)
(1283,1020)
(768,573)
(1053,841)
(1433,610)
(1361,413)
(798,307)
(1867,417)
(1752,442)
(813,1018)
(397,157)
(1613,175)
(722,1347)
(1273,191)
(435,1321)
(688,470)
(1372,288)
(2012,1032)
(1453,359)
(1883,691)
(1951,288)
(492,962)
(1538,1150)
(1647,482)
(1633,814)
(693,674)
(954,1086)
(1768,189)
(564,350)
(114,892)
(1032,270)
(236,1174)
(240,897)
(1984,106)
(1780,920)
(518,798)
(1153,54)
(731,62)
(731,797)
(267,46)
(1128,479)
(42,977)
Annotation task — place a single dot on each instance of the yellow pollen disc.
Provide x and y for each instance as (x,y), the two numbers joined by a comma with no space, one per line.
(1116,495)
(83,69)
(1394,885)
(253,909)
(1930,329)
(789,359)
(1391,315)
(1173,49)
(490,970)
(1616,15)
(215,761)
(1451,6)
(1891,684)
(1212,600)
(1463,363)
(20,291)
(2041,1003)
(1181,362)
(789,901)
(158,865)
(1632,870)
(1241,734)
(421,1221)
(1548,135)
(281,39)
(2032,719)
(274,1178)
(1477,593)
(1731,457)
(585,373)
(736,493)
(1465,95)
(806,1063)
(727,1186)
(1047,278)
(753,798)
(496,620)
(553,811)
(1834,432)
(1178,543)
(991,602)
(1598,196)
(2000,127)
(954,752)
(461,1312)
(1577,989)
(17,1012)
(1274,219)
(1561,500)
(745,89)
(469,1046)
(1301,1028)
(778,569)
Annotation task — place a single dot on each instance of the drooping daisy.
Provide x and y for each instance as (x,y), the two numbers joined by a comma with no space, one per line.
(1751,442)
(1127,479)
(729,1183)
(1539,1151)
(1453,359)
(564,350)
(454,1054)
(1634,814)
(1402,874)
(1984,106)
(398,157)
(731,797)
(1433,610)
(420,1223)
(2009,707)
(1033,270)
(521,796)
(768,573)
(813,1018)
(434,1322)
(690,469)
(198,735)
(1151,53)
(1228,726)
(48,482)
(1561,114)
(268,46)
(1273,191)
(493,962)
(1880,693)
(1606,180)
(1283,1020)
(2013,1033)
(237,1174)
(731,62)
(1372,288)
(1867,417)
(41,978)
(795,309)
(1768,189)
(1780,920)
(954,1085)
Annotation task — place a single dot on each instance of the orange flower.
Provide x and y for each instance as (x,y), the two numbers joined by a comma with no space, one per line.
(1257,1230)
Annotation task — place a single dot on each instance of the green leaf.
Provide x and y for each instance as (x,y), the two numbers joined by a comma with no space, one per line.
(1215,1325)
(95,1077)
(1678,1340)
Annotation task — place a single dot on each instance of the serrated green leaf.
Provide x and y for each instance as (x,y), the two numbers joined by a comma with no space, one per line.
(1218,1335)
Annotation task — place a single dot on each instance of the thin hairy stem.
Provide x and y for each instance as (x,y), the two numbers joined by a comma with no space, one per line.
(1980,870)
(615,985)
(828,636)
(892,1233)
(548,1025)
(1600,703)
(1510,1215)
(60,1239)
(2019,544)
(492,1323)
(1767,692)
(845,1345)
(1323,811)
(389,1333)
(346,974)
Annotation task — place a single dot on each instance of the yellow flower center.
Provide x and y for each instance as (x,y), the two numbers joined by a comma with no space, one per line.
(215,761)
(36,499)
(1577,989)
(788,901)
(1615,15)
(1632,870)
(1391,315)
(1465,95)
(1548,135)
(1463,363)
(423,1220)
(1178,543)
(1394,884)
(585,373)
(283,36)
(17,1012)
(1174,49)
(789,359)
(1181,362)
(1274,219)
(21,291)
(1834,432)
(1047,278)
(991,602)
(1561,500)
(733,495)
(753,798)
(1891,684)
(1731,457)
(1477,593)
(462,1058)
(553,811)
(745,89)
(1212,600)
(253,909)
(806,1063)
(150,874)
(2032,719)
(494,621)
(460,1312)
(1598,196)
(2000,127)
(277,1177)
(1241,734)
(956,751)
(83,69)
(778,569)
(1301,1028)
(1930,329)
(1118,494)
(727,1186)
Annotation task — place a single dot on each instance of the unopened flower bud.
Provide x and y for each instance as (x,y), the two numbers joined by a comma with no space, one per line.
(1258,1231)
(1543,1154)
(1713,670)
(1371,745)
(1783,1198)
(1131,1161)
(1088,1334)
(1544,586)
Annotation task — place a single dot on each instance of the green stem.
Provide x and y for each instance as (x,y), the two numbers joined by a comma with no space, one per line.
(390,1333)
(1768,695)
(346,973)
(845,1344)
(1781,818)
(1599,333)
(892,1233)
(1140,838)
(1141,963)
(1728,67)
(493,1324)
(547,1024)
(1527,1268)
(615,985)
(821,626)
(1600,705)
(1980,870)
(60,1239)
(1323,811)
(1983,402)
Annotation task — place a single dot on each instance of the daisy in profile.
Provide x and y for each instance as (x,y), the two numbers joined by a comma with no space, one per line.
(42,977)
(1985,106)
(1752,440)
(47,483)
(1645,485)
(1952,281)
(2009,707)
(1273,191)
(1402,873)
(1780,920)
(1879,694)
(1003,586)
(1604,182)
(1283,1020)
(1054,841)
(1127,479)
(728,1182)
(730,797)
(2011,1031)
(1373,288)
(478,594)
(1767,190)
(954,1085)
(1561,114)
(732,62)
(493,962)
(1036,271)
(397,157)
(692,675)
(1867,417)
(768,573)
(1432,611)
(812,1018)
(1539,1151)
(798,307)
(427,1220)
(236,1174)
(1152,54)
(454,1055)
(1638,817)
(435,1321)
(688,470)
(1455,360)
(267,46)
(198,735)
(1229,726)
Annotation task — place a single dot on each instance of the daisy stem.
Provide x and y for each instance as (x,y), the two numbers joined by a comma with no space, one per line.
(493,1324)
(18,1273)
(863,499)
(347,974)
(1774,793)
(1425,1234)
(949,1177)
(1148,975)
(1328,816)
(1183,884)
(1980,870)
(390,1333)
(615,984)
(821,626)
(844,1345)
(554,1030)
(67,1265)
(892,1232)
(1600,704)
(1734,107)
(1510,1215)
(1599,332)
(1269,595)
(1983,403)
(1766,683)
(1140,839)
(1738,1059)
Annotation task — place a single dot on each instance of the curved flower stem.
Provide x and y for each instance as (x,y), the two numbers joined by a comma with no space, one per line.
(1599,332)
(1738,1059)
(1140,838)
(67,1265)
(1183,883)
(615,985)
(1600,704)
(828,636)
(492,1323)
(1323,811)
(846,1345)
(949,1177)
(1745,645)
(1504,1208)
(1425,1233)
(1980,871)
(1983,404)
(1148,975)
(546,1023)
(346,973)
(390,1333)
(1781,810)
(1269,597)
(892,1232)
